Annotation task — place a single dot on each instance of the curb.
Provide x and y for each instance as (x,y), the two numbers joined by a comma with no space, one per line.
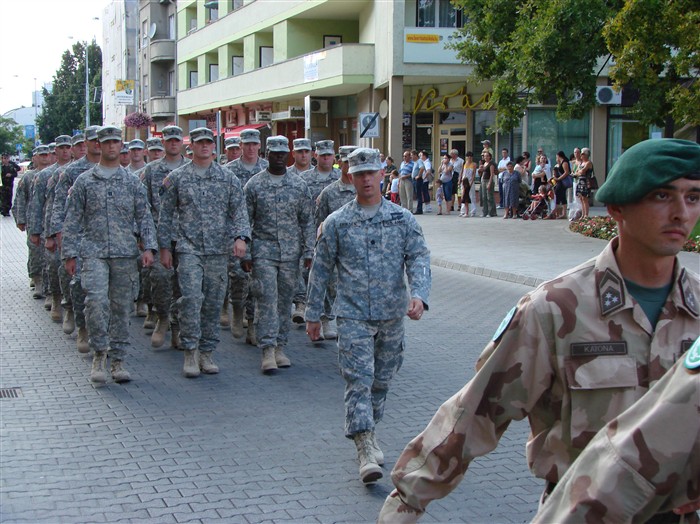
(481,271)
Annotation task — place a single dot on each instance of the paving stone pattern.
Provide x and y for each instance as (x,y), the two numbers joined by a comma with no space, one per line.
(238,446)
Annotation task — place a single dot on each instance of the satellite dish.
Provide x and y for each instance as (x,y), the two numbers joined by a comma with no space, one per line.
(152,31)
(383,108)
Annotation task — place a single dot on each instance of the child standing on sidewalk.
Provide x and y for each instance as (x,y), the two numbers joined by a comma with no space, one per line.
(394,188)
(439,195)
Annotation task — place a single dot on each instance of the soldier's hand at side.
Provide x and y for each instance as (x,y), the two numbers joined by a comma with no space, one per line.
(313,329)
(166,258)
(687,508)
(239,248)
(415,309)
(247,265)
(50,244)
(307,262)
(70,266)
(147,258)
(35,239)
(21,227)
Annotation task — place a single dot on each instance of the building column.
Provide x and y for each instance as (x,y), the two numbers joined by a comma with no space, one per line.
(395,118)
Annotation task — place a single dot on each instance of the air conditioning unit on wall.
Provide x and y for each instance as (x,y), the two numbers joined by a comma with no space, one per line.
(319,106)
(607,96)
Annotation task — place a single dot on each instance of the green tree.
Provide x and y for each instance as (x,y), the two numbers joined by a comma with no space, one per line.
(550,51)
(11,134)
(64,107)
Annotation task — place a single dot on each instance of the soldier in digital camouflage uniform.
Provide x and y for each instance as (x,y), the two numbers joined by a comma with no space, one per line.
(302,153)
(202,210)
(163,282)
(20,211)
(87,149)
(154,149)
(580,349)
(330,199)
(42,200)
(244,167)
(124,157)
(232,145)
(279,207)
(377,248)
(136,156)
(643,463)
(104,205)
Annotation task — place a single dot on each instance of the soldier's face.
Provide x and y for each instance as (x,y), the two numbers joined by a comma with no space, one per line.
(172,147)
(93,147)
(325,162)
(277,159)
(232,153)
(63,153)
(44,160)
(302,157)
(79,150)
(203,150)
(124,159)
(367,185)
(136,154)
(155,154)
(250,151)
(111,149)
(659,224)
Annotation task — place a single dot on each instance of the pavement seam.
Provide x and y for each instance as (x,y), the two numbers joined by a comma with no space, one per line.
(487,272)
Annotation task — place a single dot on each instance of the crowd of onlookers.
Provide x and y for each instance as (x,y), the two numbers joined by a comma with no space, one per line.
(524,188)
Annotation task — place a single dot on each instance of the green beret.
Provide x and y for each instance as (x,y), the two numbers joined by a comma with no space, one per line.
(646,166)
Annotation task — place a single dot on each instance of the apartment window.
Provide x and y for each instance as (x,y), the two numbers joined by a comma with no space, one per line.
(171,83)
(212,14)
(266,56)
(213,72)
(437,13)
(144,34)
(171,27)
(236,65)
(237,4)
(193,78)
(193,25)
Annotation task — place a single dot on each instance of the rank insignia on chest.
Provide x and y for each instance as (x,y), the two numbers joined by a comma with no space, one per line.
(692,357)
(611,292)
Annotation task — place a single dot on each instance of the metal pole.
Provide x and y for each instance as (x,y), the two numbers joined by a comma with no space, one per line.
(87,88)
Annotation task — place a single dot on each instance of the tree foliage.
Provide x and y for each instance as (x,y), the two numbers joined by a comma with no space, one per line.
(64,107)
(551,51)
(11,134)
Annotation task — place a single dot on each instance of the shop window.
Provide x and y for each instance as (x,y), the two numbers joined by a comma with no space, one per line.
(437,13)
(483,120)
(543,129)
(623,132)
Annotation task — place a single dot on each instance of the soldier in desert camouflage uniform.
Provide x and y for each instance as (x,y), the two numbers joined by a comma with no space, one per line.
(580,349)
(332,198)
(203,212)
(244,167)
(104,205)
(279,207)
(163,281)
(644,463)
(376,248)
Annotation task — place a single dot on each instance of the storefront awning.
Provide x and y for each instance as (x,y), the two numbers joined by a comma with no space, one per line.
(236,131)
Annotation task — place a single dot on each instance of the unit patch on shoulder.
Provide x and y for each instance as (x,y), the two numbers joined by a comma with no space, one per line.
(692,357)
(505,323)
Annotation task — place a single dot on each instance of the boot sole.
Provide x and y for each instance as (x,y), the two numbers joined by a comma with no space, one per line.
(98,379)
(372,476)
(190,374)
(121,380)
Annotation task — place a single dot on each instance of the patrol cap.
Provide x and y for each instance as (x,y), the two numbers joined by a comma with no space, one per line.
(364,159)
(172,133)
(325,147)
(345,151)
(188,150)
(201,133)
(109,133)
(486,143)
(42,150)
(232,141)
(646,166)
(302,143)
(63,140)
(277,144)
(250,136)
(136,144)
(125,149)
(78,138)
(52,147)
(154,143)
(91,132)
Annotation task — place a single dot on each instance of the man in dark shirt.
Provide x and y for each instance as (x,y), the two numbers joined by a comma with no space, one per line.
(9,173)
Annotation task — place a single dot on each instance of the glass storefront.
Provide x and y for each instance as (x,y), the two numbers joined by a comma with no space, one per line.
(543,129)
(624,132)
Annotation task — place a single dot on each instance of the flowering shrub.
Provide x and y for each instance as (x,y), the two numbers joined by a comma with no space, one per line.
(605,228)
(138,120)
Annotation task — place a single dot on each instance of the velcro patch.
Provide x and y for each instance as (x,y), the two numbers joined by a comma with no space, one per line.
(692,357)
(596,349)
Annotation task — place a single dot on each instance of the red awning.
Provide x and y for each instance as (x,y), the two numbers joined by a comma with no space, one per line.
(236,131)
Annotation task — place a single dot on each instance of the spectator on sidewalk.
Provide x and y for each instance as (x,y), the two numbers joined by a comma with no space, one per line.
(579,350)
(488,175)
(406,182)
(418,175)
(455,169)
(427,179)
(469,177)
(502,168)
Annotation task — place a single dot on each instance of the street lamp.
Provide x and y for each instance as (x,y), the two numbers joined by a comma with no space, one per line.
(87,80)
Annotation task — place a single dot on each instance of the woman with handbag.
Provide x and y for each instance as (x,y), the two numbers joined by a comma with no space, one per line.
(586,181)
(562,178)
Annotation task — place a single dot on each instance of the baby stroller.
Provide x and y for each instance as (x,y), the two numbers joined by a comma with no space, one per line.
(537,209)
(523,198)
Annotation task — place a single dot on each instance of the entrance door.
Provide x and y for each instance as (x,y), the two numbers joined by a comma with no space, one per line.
(460,145)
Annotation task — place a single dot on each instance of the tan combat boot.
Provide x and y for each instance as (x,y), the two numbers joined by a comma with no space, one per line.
(298,314)
(56,313)
(206,363)
(237,322)
(119,374)
(38,283)
(175,336)
(223,318)
(97,373)
(151,318)
(370,472)
(158,335)
(269,364)
(68,321)
(141,309)
(281,359)
(47,302)
(82,341)
(378,453)
(250,337)
(191,367)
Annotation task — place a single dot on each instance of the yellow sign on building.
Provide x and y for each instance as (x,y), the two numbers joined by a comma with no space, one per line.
(416,38)
(124,92)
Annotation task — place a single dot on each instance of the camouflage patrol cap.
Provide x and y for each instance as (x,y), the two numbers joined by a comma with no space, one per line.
(91,132)
(52,147)
(250,136)
(78,138)
(232,141)
(155,143)
(63,140)
(325,147)
(646,166)
(172,133)
(136,144)
(125,149)
(201,133)
(364,159)
(345,151)
(42,150)
(277,144)
(109,133)
(301,144)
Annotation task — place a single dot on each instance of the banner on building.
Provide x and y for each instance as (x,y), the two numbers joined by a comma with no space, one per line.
(124,92)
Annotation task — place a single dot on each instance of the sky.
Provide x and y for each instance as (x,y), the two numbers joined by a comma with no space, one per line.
(35,33)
